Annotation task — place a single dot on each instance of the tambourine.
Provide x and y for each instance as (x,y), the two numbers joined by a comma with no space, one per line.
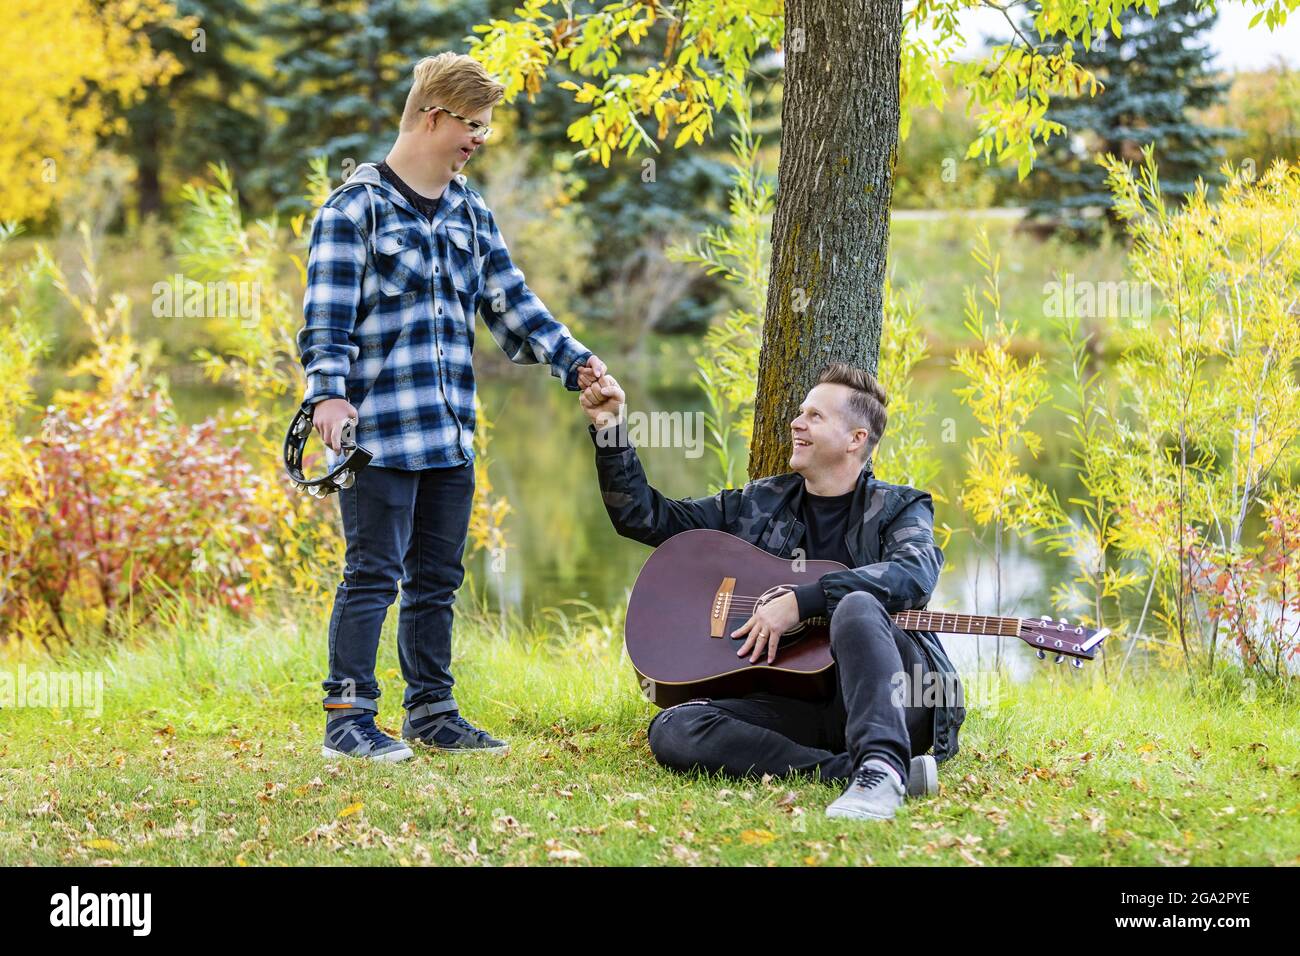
(352,458)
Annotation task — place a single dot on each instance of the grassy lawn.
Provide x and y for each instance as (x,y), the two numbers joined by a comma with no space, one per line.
(207,752)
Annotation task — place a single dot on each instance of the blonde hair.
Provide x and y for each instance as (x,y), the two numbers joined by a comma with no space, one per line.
(451,80)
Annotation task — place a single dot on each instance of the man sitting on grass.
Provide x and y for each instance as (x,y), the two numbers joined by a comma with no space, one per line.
(831,507)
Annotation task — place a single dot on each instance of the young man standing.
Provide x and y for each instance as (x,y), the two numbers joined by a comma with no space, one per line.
(828,506)
(402,256)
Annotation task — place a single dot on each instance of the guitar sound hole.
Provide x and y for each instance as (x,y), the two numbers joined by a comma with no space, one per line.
(792,636)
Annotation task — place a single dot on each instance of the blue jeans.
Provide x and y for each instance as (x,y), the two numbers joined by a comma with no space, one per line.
(407,527)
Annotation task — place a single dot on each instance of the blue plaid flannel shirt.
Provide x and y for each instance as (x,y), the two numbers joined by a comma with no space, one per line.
(389,317)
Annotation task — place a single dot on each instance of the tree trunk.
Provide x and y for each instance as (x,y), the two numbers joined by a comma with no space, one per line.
(148,169)
(830,230)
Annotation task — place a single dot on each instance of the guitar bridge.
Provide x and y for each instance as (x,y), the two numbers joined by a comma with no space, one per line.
(721,607)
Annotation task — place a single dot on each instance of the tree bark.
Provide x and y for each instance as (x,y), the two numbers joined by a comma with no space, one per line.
(830,229)
(149,200)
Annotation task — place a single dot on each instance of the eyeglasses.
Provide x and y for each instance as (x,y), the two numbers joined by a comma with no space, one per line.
(477,130)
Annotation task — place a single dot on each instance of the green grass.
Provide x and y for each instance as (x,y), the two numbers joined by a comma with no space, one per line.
(207,752)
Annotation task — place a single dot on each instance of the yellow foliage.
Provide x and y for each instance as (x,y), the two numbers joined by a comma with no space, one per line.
(1002,394)
(68,69)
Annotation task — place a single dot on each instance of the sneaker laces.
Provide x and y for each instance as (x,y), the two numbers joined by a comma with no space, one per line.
(459,721)
(869,775)
(367,729)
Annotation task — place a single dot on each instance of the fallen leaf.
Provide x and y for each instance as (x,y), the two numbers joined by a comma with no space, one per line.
(558,851)
(685,854)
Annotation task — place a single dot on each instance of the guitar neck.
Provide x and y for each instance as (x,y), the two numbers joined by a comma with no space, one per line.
(946,623)
(950,623)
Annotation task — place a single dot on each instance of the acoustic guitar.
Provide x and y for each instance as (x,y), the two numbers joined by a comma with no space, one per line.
(700,585)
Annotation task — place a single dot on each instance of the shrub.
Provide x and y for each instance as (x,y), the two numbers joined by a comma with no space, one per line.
(128,506)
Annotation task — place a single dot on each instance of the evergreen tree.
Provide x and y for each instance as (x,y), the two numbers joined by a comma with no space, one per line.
(1156,76)
(342,73)
(208,112)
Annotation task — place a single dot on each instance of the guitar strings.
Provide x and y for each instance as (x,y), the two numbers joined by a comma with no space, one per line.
(741,606)
(749,602)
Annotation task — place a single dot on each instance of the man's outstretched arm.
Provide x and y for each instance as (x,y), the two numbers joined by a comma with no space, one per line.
(636,509)
(522,325)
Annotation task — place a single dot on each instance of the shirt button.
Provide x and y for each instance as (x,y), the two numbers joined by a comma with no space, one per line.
(440,353)
(440,310)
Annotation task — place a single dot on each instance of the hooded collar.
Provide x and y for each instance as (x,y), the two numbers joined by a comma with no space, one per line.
(367,175)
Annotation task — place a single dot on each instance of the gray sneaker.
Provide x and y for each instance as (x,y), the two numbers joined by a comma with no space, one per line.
(923,777)
(873,794)
(351,732)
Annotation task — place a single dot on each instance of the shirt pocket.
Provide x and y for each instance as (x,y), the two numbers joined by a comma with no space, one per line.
(465,266)
(399,262)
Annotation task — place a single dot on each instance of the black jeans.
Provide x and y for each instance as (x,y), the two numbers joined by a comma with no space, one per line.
(404,527)
(871,713)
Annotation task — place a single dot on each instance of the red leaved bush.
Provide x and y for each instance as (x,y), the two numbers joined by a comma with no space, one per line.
(1253,598)
(127,505)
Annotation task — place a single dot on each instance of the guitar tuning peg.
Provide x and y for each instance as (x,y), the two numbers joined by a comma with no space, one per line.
(1077,663)
(1060,659)
(1040,654)
(1062,620)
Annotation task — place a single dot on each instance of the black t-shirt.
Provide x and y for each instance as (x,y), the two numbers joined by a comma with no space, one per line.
(825,519)
(426,205)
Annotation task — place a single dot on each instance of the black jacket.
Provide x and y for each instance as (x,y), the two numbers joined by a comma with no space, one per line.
(890,536)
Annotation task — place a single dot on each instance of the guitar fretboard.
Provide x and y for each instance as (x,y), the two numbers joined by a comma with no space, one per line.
(946,623)
(957,623)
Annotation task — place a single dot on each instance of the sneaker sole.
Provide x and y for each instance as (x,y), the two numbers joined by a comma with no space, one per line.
(926,766)
(417,742)
(393,756)
(855,814)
